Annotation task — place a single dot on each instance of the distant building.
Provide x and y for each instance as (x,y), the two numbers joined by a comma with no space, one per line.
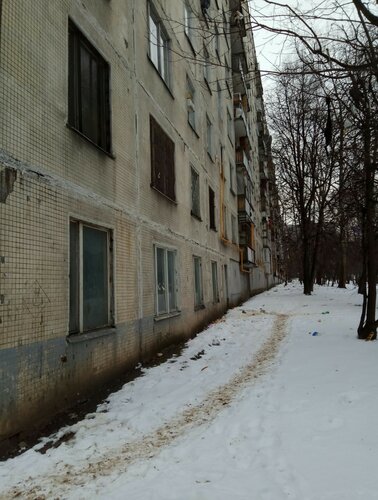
(137,196)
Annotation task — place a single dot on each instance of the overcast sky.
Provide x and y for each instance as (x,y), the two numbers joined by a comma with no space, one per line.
(273,49)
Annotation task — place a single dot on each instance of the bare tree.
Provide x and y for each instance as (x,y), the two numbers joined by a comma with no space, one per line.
(304,169)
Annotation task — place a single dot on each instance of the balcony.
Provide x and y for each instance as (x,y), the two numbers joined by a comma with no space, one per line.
(240,116)
(238,26)
(248,256)
(243,164)
(245,209)
(242,158)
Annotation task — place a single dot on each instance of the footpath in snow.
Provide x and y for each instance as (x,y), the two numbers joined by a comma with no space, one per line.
(276,400)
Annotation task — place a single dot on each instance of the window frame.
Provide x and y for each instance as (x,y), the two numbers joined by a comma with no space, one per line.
(191,102)
(162,45)
(228,75)
(206,67)
(225,220)
(217,42)
(234,229)
(193,211)
(232,177)
(215,281)
(230,126)
(162,173)
(198,292)
(209,137)
(212,224)
(77,42)
(189,25)
(169,311)
(76,264)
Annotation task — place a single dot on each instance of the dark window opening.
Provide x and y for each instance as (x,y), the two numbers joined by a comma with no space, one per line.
(88,90)
(212,208)
(162,160)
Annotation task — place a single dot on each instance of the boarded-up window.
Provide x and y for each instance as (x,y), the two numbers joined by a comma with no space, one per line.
(162,160)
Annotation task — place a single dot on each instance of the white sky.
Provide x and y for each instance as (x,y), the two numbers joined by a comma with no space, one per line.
(273,49)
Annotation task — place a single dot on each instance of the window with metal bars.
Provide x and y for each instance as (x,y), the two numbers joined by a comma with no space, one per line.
(88,90)
(162,161)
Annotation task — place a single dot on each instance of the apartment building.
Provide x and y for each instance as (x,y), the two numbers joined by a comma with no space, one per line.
(136,187)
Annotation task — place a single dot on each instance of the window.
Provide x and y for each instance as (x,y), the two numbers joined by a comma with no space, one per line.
(88,90)
(220,103)
(211,208)
(189,25)
(217,45)
(90,274)
(228,75)
(196,206)
(209,137)
(225,229)
(234,229)
(198,290)
(252,237)
(158,42)
(214,276)
(166,280)
(226,28)
(190,103)
(232,178)
(206,66)
(229,126)
(162,160)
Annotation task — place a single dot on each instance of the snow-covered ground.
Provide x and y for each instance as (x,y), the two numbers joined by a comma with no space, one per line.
(277,400)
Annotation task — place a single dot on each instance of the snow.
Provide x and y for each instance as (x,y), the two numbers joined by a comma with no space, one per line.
(264,410)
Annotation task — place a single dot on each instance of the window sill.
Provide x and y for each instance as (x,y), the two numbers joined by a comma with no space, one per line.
(195,216)
(199,307)
(194,130)
(107,153)
(174,202)
(213,229)
(163,317)
(76,338)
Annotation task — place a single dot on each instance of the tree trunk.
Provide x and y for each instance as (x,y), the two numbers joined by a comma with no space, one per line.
(369,330)
(342,265)
(307,274)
